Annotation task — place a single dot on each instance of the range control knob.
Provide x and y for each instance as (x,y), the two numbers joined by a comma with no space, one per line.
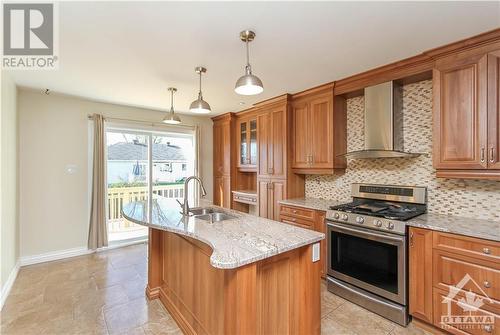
(360,219)
(389,225)
(345,217)
(336,215)
(377,223)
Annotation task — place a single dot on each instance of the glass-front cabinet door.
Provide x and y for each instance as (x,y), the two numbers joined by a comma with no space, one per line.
(247,144)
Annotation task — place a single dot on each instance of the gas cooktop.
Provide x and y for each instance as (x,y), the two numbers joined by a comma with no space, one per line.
(383,209)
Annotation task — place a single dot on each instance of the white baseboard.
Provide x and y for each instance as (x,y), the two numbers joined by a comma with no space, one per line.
(54,255)
(7,286)
(61,254)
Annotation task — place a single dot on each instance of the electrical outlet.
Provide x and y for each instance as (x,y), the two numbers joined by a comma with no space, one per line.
(316,252)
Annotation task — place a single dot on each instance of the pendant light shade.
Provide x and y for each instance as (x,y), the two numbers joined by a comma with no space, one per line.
(171,117)
(200,106)
(248,84)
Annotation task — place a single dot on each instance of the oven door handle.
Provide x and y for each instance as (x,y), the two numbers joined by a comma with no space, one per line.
(367,233)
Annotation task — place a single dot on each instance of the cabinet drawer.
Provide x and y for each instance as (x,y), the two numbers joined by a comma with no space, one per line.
(443,307)
(450,269)
(297,212)
(467,246)
(297,221)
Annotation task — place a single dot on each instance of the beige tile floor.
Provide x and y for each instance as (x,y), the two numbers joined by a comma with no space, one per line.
(103,293)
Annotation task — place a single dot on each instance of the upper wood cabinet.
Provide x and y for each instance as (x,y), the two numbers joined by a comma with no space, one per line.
(494,110)
(466,127)
(222,146)
(272,144)
(318,133)
(247,144)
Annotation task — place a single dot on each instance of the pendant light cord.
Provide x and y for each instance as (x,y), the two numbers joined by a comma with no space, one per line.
(172,101)
(200,96)
(248,53)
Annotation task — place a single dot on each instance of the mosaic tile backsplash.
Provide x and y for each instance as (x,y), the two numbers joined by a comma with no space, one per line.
(468,198)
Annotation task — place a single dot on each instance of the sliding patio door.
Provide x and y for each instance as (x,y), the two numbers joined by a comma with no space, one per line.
(140,164)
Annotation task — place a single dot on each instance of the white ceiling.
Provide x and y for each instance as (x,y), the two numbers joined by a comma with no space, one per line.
(129,53)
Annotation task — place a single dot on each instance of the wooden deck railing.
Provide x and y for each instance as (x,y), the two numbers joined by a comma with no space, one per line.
(119,196)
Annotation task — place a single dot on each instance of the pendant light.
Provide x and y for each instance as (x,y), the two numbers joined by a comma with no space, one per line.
(200,106)
(171,117)
(248,84)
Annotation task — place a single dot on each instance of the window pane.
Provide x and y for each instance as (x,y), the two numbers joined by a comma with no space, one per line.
(173,162)
(127,180)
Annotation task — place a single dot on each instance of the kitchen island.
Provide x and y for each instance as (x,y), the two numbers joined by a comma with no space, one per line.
(242,275)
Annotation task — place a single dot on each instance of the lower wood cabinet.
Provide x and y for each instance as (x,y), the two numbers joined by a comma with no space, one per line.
(270,192)
(453,275)
(420,274)
(222,191)
(309,219)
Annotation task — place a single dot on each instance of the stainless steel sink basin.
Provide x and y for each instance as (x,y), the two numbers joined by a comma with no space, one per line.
(215,217)
(201,211)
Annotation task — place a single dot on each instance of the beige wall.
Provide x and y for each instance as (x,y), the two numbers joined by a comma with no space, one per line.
(53,133)
(9,181)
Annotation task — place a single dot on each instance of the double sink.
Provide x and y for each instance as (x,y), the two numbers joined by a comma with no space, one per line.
(210,215)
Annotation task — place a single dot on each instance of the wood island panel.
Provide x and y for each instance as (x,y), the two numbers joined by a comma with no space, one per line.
(277,295)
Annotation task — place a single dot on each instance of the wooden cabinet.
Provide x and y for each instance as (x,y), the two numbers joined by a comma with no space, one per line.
(270,192)
(466,139)
(309,219)
(446,270)
(316,127)
(272,143)
(222,147)
(494,110)
(420,273)
(222,191)
(223,159)
(247,144)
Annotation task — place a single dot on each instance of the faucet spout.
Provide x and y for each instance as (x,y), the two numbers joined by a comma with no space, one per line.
(185,205)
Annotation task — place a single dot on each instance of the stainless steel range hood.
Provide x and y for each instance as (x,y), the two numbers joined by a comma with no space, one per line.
(383,123)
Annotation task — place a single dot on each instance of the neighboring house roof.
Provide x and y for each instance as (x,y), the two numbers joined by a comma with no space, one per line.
(124,151)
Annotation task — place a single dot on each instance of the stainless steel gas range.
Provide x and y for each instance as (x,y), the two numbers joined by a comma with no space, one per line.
(367,247)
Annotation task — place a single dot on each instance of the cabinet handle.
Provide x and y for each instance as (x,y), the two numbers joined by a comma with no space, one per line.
(487,284)
(488,328)
(492,155)
(270,170)
(482,155)
(486,251)
(411,239)
(294,211)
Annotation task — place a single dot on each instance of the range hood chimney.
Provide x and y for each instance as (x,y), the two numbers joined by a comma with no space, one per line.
(383,123)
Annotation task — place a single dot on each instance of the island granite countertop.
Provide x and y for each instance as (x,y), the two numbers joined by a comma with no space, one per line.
(235,242)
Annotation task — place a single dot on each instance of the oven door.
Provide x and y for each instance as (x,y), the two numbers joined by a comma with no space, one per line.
(371,260)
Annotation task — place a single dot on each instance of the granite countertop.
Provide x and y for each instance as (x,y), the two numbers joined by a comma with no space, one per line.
(235,242)
(485,229)
(311,203)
